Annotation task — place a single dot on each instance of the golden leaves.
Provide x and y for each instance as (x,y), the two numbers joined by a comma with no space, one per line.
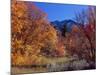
(29,33)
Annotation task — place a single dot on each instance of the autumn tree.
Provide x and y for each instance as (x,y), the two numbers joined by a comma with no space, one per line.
(81,17)
(90,30)
(30,32)
(87,21)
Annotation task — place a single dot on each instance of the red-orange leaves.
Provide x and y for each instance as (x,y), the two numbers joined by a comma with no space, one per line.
(30,33)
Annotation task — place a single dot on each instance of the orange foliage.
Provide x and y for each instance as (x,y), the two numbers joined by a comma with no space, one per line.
(30,32)
(60,48)
(33,36)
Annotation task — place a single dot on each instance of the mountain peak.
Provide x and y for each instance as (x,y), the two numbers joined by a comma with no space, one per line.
(60,24)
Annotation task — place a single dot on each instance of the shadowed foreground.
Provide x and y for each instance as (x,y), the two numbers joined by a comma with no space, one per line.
(54,65)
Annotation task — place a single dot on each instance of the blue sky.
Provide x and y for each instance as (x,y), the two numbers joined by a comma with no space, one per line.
(60,12)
